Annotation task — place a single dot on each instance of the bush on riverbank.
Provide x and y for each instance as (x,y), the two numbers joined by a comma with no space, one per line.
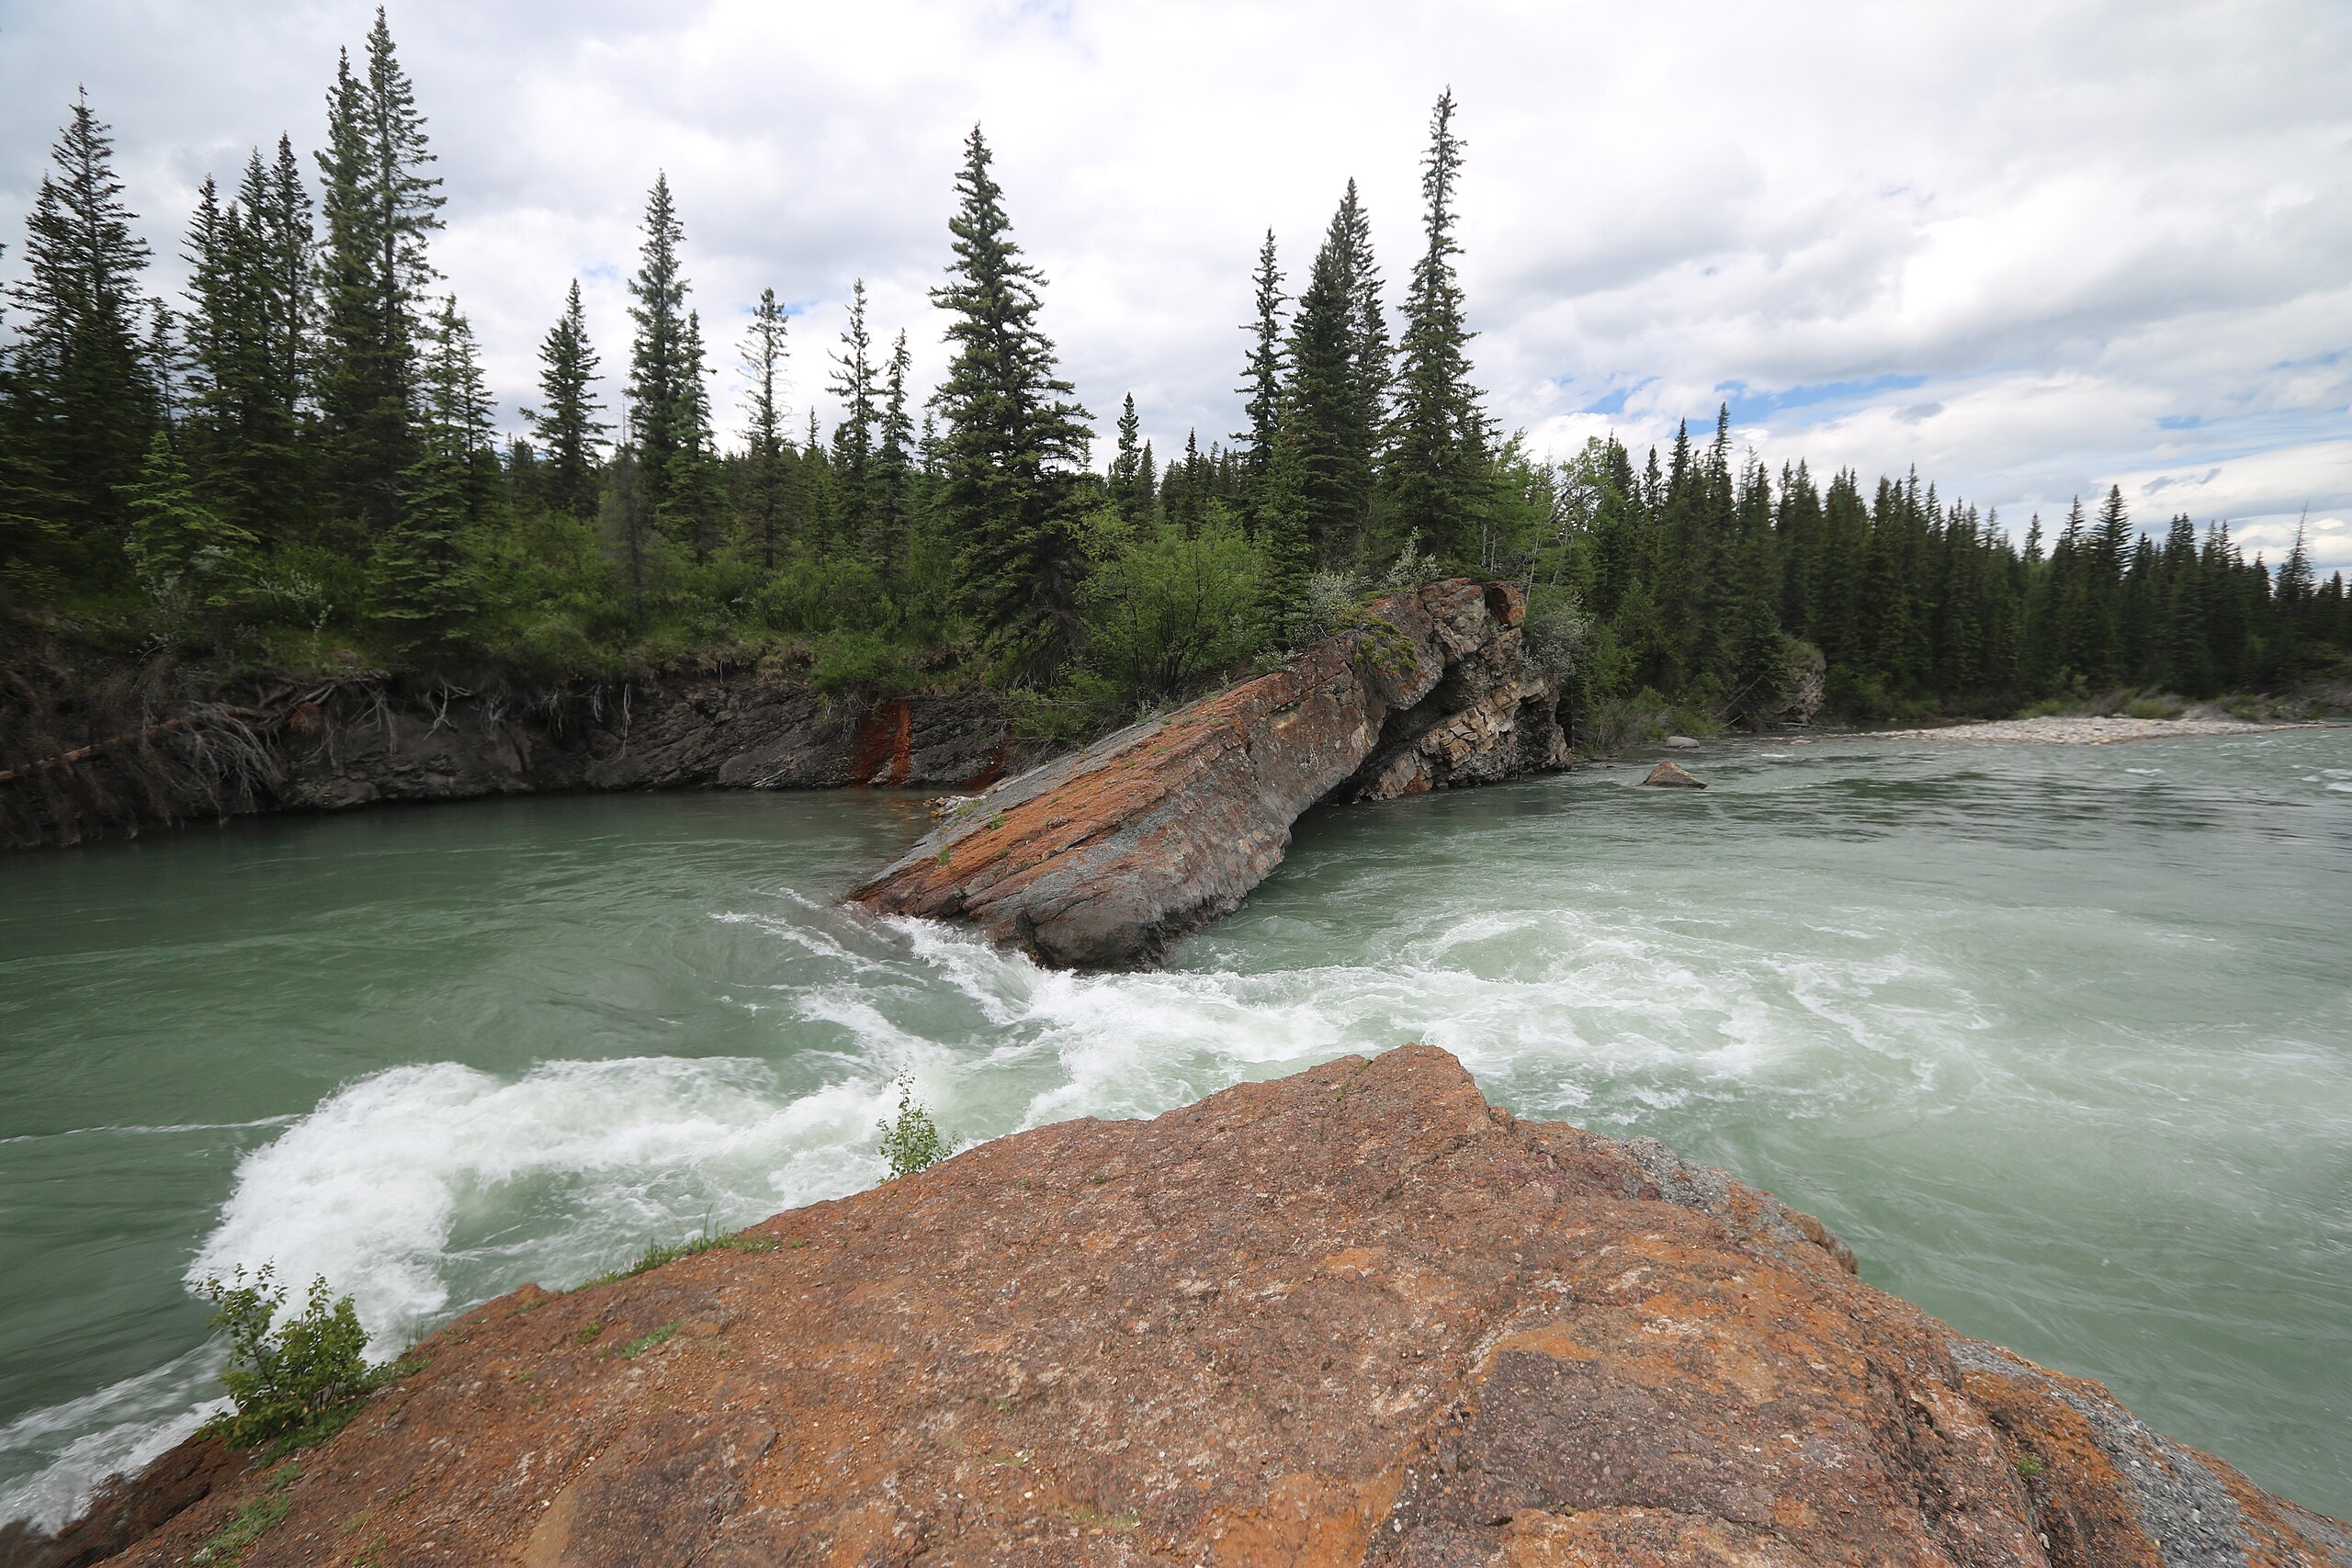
(293,1382)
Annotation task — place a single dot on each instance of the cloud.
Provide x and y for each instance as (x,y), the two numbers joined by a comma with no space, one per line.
(2034,250)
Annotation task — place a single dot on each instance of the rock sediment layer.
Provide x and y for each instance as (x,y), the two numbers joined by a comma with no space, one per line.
(1354,1316)
(84,754)
(1097,861)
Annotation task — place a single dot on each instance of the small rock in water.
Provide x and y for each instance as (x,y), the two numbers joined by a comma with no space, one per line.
(1682,743)
(1669,775)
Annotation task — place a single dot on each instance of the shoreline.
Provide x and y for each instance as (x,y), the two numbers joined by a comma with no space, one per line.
(2065,729)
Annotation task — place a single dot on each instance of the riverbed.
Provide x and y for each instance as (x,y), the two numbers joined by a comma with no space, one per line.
(2060,1039)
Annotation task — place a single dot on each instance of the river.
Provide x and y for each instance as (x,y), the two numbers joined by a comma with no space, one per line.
(2060,1039)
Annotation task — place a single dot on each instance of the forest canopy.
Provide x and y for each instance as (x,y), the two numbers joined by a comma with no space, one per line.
(292,461)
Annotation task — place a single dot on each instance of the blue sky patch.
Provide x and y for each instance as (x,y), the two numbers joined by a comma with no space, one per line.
(1750,405)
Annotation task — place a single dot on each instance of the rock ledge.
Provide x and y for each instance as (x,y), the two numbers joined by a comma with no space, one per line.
(1357,1316)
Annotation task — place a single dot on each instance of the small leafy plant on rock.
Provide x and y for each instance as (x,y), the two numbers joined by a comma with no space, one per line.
(911,1141)
(293,1383)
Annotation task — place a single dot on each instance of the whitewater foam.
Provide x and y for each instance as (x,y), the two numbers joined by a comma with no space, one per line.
(64,1452)
(421,1189)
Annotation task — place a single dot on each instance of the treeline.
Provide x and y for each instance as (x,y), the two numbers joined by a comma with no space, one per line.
(298,456)
(1710,577)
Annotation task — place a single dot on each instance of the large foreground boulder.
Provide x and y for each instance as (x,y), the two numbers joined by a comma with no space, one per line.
(1354,1316)
(1097,861)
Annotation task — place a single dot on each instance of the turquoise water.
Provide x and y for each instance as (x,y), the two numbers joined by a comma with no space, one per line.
(2060,1039)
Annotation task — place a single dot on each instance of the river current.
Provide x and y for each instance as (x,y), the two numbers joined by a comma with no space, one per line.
(2060,1039)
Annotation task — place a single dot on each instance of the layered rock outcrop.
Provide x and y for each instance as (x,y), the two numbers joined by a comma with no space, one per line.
(1099,860)
(1358,1315)
(87,752)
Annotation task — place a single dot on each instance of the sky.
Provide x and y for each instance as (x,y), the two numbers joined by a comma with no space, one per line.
(2031,249)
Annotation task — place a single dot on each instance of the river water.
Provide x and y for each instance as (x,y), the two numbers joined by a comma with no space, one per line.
(2060,1039)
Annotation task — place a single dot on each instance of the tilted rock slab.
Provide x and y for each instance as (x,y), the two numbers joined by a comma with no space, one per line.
(1354,1316)
(1099,860)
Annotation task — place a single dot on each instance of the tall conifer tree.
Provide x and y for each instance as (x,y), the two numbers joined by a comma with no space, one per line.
(766,502)
(566,421)
(1013,438)
(380,206)
(1339,362)
(1126,467)
(688,508)
(1261,374)
(85,383)
(893,476)
(1437,461)
(418,579)
(852,382)
(658,372)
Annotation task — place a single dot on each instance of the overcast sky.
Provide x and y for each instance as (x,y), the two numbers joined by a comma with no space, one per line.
(2033,249)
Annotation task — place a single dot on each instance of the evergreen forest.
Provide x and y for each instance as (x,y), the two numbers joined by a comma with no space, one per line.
(292,464)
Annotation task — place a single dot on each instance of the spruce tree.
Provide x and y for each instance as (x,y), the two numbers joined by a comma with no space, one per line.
(83,378)
(658,373)
(179,546)
(1008,492)
(1126,467)
(1438,462)
(1279,522)
(1262,384)
(766,503)
(852,382)
(892,481)
(380,206)
(566,421)
(812,480)
(214,345)
(1185,490)
(1797,523)
(289,249)
(628,521)
(281,248)
(418,579)
(1338,387)
(687,507)
(2187,662)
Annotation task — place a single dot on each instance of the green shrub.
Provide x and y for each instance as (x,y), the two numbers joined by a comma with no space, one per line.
(1558,636)
(291,1378)
(1079,709)
(858,661)
(911,1140)
(1169,611)
(1857,694)
(1612,724)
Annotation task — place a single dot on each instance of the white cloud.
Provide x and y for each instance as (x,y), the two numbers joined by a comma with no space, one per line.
(2033,249)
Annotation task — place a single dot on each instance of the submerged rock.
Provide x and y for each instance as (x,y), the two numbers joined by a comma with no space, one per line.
(1097,861)
(1358,1315)
(1671,775)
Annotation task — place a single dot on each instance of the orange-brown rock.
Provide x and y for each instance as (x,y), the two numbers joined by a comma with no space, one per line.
(1671,775)
(1354,1316)
(1098,860)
